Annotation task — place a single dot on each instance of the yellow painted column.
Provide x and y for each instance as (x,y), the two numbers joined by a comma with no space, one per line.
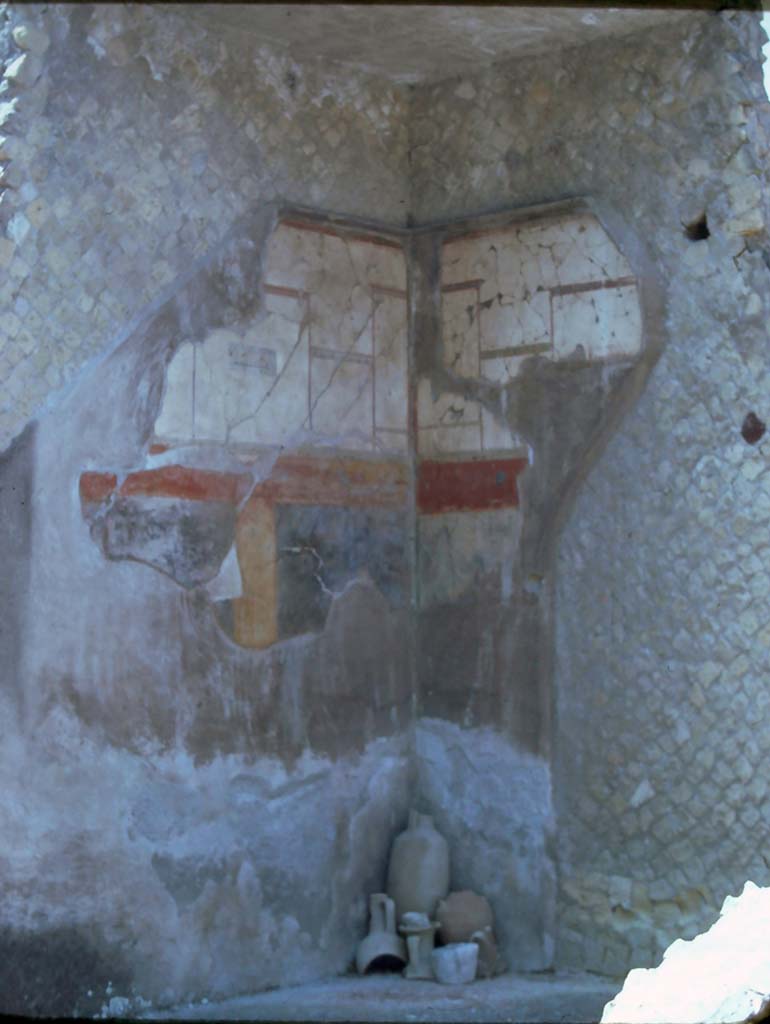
(255,614)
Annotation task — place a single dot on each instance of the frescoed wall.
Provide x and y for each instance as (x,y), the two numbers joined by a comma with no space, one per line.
(316,383)
(544,306)
(326,361)
(557,289)
(339,495)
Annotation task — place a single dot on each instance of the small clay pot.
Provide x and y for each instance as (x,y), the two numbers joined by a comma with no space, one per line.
(461,914)
(381,947)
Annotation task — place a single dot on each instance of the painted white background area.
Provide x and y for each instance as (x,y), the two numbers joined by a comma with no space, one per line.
(326,360)
(557,288)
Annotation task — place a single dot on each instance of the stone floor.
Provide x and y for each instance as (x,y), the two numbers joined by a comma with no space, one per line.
(520,998)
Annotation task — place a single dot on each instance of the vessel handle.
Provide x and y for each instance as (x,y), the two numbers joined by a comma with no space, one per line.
(390,915)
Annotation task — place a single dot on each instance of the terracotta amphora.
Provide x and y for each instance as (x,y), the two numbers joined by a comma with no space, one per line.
(418,873)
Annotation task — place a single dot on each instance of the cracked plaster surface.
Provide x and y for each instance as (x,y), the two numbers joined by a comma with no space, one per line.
(560,289)
(325,361)
(167,854)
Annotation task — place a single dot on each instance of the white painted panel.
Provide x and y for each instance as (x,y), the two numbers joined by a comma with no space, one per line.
(175,422)
(253,388)
(449,440)
(573,250)
(446,410)
(341,400)
(396,441)
(341,317)
(292,255)
(390,374)
(459,317)
(597,324)
(378,264)
(496,433)
(508,322)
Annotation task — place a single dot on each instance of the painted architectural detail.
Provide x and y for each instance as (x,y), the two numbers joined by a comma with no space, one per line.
(467,486)
(556,288)
(468,527)
(326,362)
(299,536)
(323,365)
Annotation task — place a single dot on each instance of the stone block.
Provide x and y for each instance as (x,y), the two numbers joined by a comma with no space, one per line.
(24,71)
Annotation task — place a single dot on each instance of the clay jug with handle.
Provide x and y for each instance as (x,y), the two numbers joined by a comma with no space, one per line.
(382,946)
(418,873)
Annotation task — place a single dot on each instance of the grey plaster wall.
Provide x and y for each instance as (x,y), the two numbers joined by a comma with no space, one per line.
(659,585)
(492,800)
(16,488)
(184,818)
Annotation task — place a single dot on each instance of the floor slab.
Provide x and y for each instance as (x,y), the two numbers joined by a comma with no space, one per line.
(520,998)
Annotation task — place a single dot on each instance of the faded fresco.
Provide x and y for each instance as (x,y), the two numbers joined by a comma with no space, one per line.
(325,362)
(340,493)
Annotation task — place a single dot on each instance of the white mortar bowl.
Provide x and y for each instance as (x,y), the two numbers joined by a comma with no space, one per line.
(455,964)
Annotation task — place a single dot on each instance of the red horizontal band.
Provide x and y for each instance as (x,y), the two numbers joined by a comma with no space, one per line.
(469,486)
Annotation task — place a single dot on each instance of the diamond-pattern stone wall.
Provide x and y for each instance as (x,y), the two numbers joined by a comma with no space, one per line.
(130,141)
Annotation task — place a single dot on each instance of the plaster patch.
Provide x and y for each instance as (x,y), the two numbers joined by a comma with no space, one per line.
(237,892)
(493,804)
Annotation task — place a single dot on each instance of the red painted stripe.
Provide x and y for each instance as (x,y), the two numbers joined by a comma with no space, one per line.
(592,286)
(470,486)
(296,479)
(385,289)
(190,484)
(97,486)
(289,293)
(334,480)
(463,286)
